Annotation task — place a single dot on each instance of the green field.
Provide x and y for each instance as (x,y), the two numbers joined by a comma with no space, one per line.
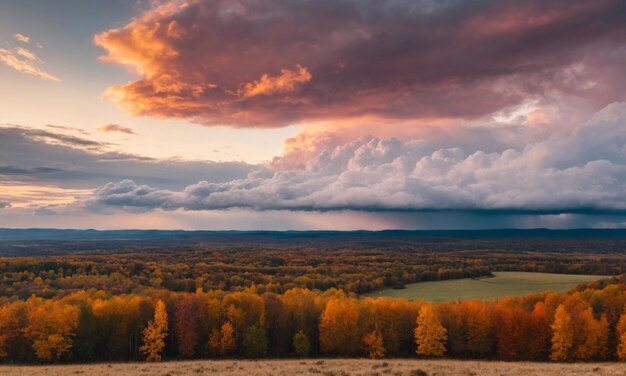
(503,284)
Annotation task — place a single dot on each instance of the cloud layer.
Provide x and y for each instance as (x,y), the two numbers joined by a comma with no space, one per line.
(39,167)
(268,63)
(582,172)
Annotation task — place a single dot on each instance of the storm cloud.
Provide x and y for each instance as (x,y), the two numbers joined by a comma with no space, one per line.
(270,63)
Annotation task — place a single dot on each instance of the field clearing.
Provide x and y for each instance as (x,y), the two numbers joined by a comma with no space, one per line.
(326,367)
(503,284)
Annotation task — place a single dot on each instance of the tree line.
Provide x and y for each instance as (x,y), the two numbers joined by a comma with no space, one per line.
(277,270)
(586,324)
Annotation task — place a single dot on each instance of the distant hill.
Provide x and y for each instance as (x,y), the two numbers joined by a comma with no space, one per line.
(70,234)
(14,242)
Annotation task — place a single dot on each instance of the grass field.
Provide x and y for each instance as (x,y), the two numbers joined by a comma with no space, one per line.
(327,367)
(503,284)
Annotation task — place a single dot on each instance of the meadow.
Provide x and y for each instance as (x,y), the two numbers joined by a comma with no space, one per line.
(501,285)
(318,367)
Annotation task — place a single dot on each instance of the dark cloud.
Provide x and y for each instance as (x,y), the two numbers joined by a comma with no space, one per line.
(583,172)
(269,63)
(115,128)
(9,170)
(45,210)
(71,129)
(13,132)
(4,204)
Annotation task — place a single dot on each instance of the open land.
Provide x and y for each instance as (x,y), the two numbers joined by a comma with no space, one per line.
(502,284)
(364,367)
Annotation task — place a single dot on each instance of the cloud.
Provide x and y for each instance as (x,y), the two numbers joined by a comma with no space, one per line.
(287,81)
(580,172)
(39,166)
(25,61)
(35,155)
(5,204)
(23,135)
(21,37)
(71,129)
(267,64)
(28,55)
(115,128)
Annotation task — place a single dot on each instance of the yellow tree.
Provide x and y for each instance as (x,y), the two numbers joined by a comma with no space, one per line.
(590,336)
(52,325)
(339,327)
(154,334)
(597,333)
(7,321)
(562,335)
(430,335)
(227,339)
(621,336)
(214,343)
(478,323)
(374,344)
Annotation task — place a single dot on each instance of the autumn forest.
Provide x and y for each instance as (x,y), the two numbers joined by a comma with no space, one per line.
(213,300)
(583,325)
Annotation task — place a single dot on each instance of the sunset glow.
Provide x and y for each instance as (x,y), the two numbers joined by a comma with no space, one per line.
(312,115)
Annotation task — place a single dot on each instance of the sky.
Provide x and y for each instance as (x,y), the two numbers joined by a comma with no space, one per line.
(308,115)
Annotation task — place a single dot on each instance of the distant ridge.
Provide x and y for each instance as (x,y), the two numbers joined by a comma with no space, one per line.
(131,234)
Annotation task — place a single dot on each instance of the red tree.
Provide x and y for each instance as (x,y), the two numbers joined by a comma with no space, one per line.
(187,324)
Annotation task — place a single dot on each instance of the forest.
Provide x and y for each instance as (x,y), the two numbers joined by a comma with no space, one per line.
(358,270)
(153,297)
(588,323)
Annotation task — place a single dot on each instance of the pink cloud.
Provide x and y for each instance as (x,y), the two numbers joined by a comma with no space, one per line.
(287,81)
(115,128)
(21,37)
(28,55)
(25,61)
(259,64)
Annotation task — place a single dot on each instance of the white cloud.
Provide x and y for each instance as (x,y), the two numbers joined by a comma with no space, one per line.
(584,171)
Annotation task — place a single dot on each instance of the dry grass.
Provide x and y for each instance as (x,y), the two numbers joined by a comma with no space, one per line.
(325,367)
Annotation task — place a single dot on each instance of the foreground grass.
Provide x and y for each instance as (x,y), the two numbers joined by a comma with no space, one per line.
(326,367)
(503,284)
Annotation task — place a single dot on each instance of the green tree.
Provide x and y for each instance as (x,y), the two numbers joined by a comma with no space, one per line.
(255,342)
(301,344)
